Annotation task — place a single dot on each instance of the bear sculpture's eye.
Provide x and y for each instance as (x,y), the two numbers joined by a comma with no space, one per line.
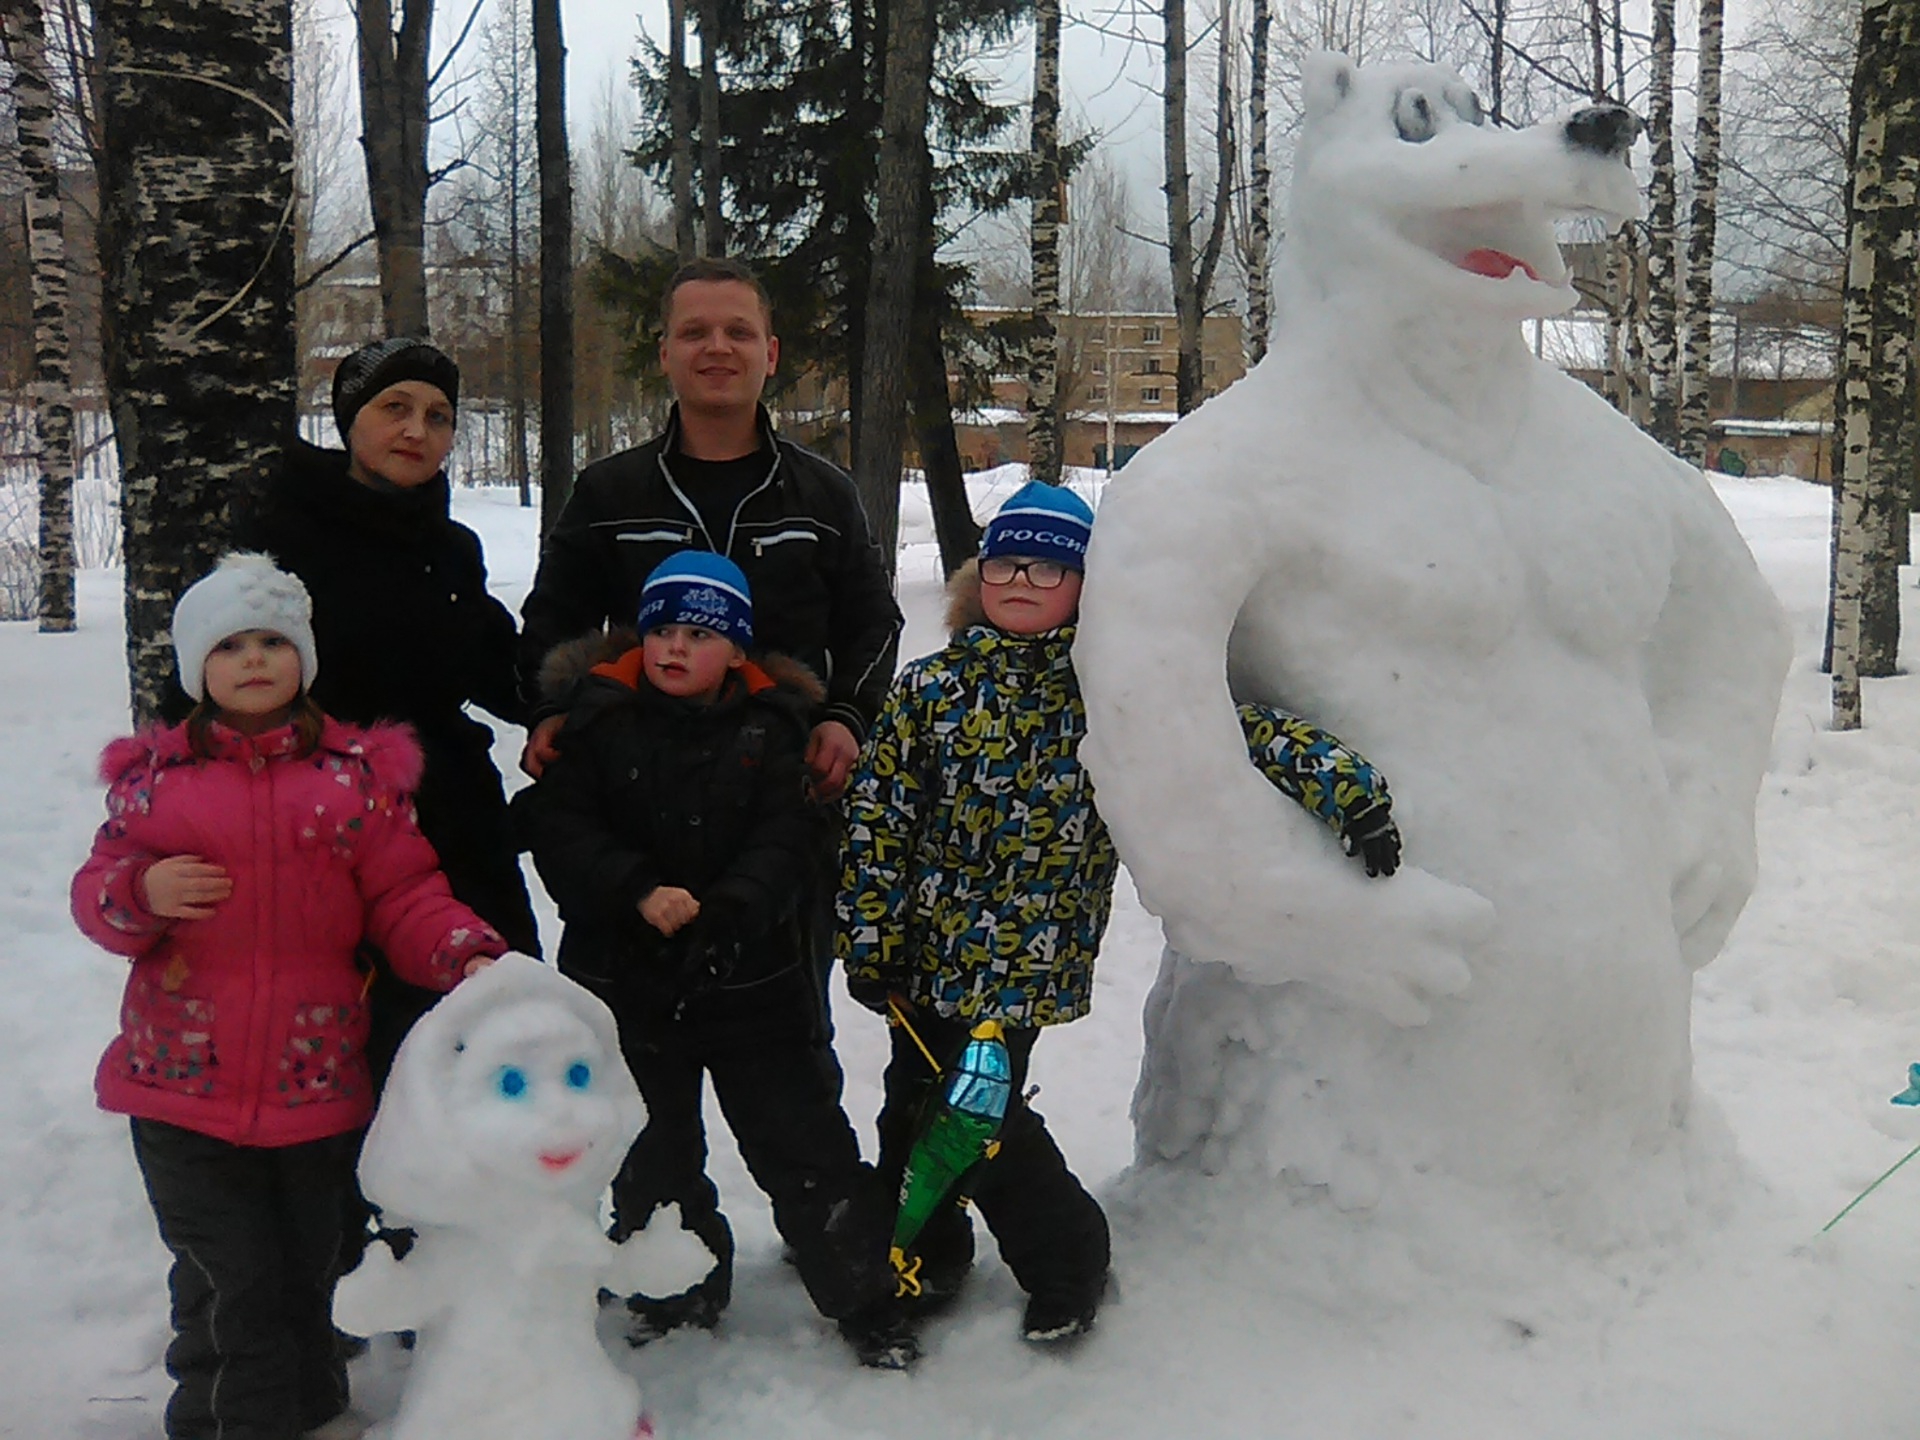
(1464,103)
(511,1082)
(1413,116)
(579,1075)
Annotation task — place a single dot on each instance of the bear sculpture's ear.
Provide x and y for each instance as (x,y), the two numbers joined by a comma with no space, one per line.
(1326,77)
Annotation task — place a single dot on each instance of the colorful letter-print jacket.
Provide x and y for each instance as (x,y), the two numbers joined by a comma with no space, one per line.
(978,875)
(249,1025)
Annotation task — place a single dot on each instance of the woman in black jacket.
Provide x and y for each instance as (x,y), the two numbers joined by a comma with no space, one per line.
(405,627)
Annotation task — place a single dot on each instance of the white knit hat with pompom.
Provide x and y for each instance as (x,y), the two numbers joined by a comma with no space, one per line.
(244,592)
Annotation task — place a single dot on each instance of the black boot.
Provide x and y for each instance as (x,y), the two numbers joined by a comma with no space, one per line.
(882,1338)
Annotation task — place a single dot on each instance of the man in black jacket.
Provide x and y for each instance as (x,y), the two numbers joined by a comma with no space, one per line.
(720,479)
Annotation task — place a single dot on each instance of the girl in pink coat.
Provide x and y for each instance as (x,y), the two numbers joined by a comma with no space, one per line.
(246,855)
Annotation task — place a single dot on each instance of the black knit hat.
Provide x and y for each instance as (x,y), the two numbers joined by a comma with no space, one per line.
(372,368)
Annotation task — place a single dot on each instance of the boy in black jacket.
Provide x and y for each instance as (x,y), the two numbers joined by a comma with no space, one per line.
(675,832)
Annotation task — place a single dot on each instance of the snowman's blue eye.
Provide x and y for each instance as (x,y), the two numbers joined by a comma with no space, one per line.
(579,1075)
(511,1081)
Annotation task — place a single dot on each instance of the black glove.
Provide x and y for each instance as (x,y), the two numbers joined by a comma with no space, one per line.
(709,950)
(1370,835)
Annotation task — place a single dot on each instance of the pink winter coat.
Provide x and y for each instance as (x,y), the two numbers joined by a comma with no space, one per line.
(250,1025)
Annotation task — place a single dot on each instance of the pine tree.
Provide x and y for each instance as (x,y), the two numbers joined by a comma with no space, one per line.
(196,235)
(801,86)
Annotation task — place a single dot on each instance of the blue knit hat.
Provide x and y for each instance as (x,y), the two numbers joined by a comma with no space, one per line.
(1041,522)
(697,587)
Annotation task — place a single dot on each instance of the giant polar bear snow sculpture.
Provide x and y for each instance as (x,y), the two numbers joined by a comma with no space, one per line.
(1543,628)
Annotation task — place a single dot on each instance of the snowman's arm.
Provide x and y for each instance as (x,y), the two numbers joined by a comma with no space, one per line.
(1235,872)
(1713,667)
(660,1260)
(385,1294)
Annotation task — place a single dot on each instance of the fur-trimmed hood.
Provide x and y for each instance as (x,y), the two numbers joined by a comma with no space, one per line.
(390,751)
(571,664)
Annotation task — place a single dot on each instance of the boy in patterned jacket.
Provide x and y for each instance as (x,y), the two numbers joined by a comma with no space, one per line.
(979,876)
(977,882)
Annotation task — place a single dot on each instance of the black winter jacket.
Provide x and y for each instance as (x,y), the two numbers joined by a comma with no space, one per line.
(402,619)
(406,630)
(820,590)
(652,790)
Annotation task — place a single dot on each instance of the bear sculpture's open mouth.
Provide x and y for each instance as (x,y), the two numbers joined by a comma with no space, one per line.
(1496,242)
(1495,264)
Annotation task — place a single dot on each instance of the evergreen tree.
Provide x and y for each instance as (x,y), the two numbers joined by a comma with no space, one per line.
(799,121)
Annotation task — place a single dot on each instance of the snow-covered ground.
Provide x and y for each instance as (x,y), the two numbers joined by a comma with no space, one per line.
(1753,1327)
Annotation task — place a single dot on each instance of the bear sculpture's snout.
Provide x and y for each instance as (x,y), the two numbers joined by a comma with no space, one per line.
(1608,130)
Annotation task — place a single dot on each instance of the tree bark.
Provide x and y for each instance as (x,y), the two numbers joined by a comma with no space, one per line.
(556,262)
(953,524)
(1702,227)
(713,225)
(897,242)
(393,133)
(680,117)
(1874,402)
(516,269)
(1260,227)
(23,27)
(1043,334)
(196,235)
(1663,280)
(1192,273)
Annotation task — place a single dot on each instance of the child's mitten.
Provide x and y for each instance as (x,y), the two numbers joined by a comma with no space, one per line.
(1370,834)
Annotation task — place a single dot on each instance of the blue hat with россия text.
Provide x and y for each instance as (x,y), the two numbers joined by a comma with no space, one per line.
(1041,522)
(697,587)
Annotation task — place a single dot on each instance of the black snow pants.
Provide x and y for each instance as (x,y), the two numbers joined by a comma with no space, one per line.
(256,1236)
(1051,1232)
(778,1084)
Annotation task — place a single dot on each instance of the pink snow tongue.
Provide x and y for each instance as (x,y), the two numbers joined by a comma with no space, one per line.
(558,1160)
(1495,264)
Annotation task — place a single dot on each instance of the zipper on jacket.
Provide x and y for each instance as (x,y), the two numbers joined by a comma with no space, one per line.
(259,771)
(733,526)
(760,545)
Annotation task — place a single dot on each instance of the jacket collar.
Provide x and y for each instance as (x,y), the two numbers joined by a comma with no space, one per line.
(320,485)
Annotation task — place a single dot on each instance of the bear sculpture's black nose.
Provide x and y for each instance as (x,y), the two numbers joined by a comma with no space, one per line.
(1604,129)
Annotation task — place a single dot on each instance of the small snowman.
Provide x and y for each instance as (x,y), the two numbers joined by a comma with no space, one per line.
(507,1114)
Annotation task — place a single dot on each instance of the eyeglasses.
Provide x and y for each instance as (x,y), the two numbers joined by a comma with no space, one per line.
(1041,574)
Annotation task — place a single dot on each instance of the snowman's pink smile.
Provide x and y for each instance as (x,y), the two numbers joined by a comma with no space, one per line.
(558,1160)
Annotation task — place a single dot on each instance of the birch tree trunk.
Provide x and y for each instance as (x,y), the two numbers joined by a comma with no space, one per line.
(899,207)
(1702,227)
(1260,226)
(1043,334)
(556,262)
(680,118)
(196,238)
(1874,403)
(1663,280)
(23,27)
(713,226)
(393,133)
